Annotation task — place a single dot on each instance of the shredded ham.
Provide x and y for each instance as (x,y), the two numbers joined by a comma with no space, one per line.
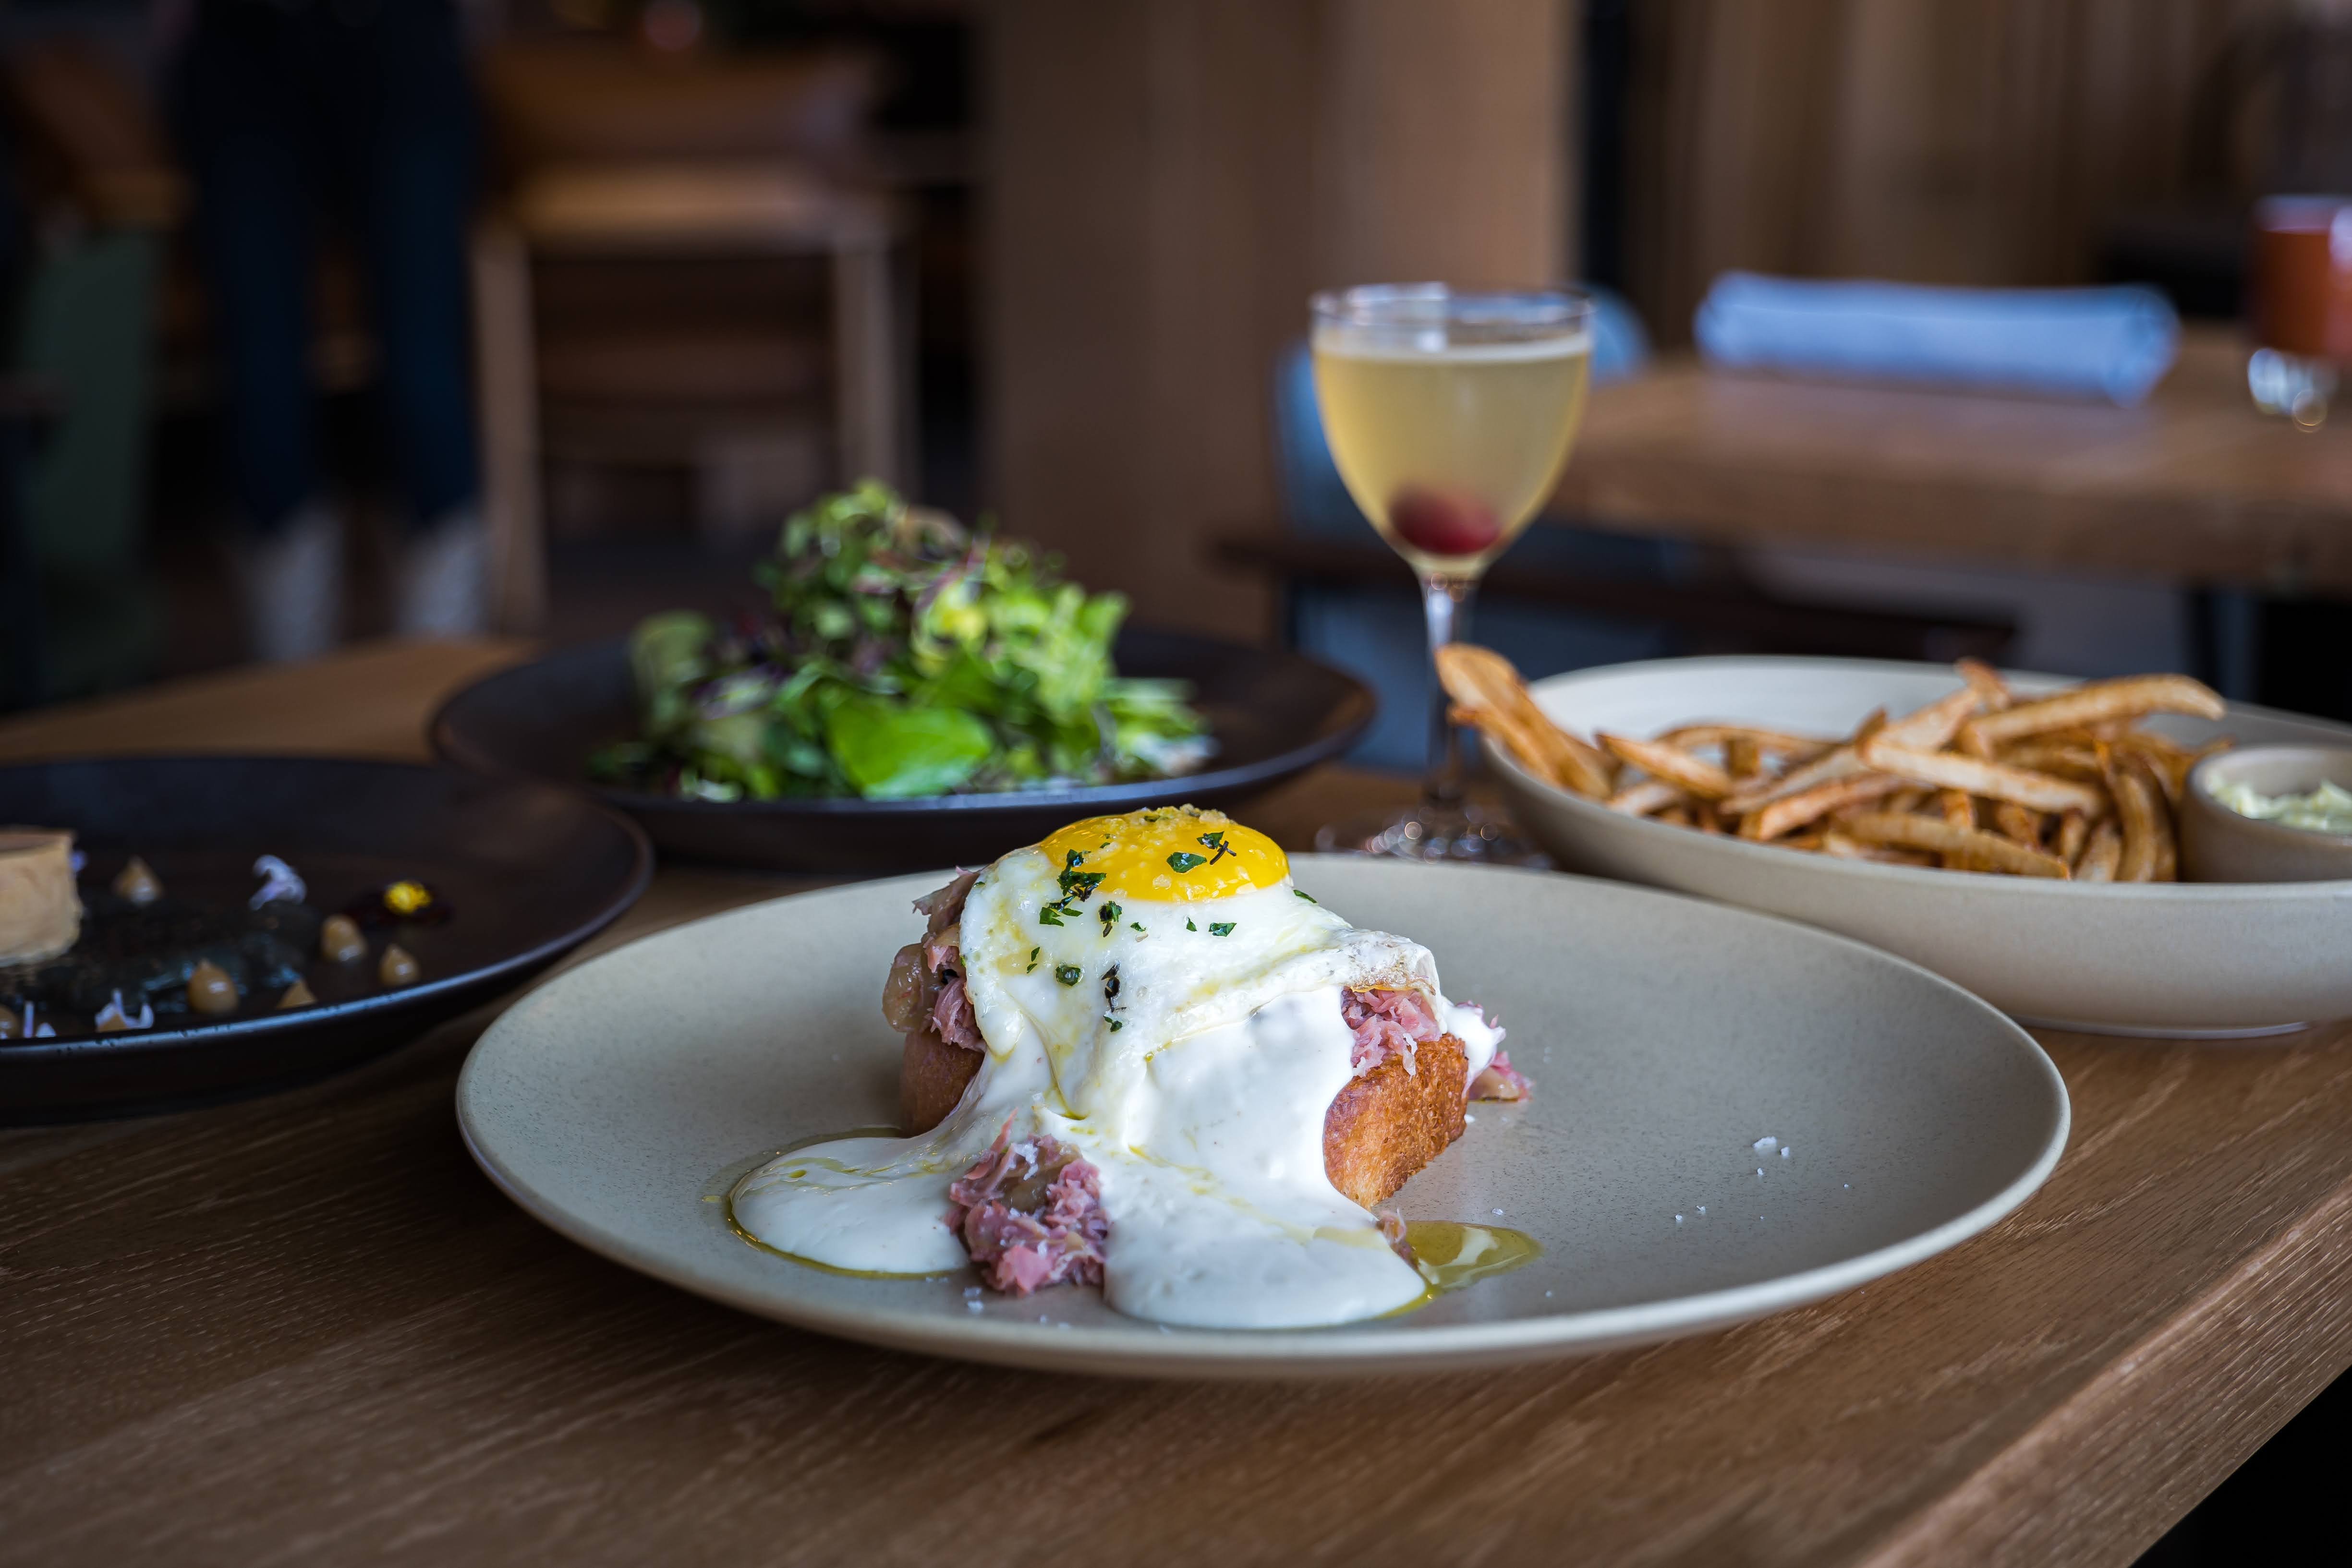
(944,906)
(1394,1022)
(1387,1023)
(1501,1080)
(951,1016)
(1031,1215)
(926,988)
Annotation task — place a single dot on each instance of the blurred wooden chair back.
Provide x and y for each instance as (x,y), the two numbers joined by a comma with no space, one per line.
(683,276)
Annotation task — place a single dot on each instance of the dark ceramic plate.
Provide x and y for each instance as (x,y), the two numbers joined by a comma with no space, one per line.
(527,874)
(1274,715)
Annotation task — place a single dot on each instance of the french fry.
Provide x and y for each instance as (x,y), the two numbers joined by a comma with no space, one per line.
(1742,756)
(2140,808)
(1917,832)
(1678,815)
(2097,703)
(1838,762)
(1992,688)
(1841,847)
(1645,796)
(1930,726)
(2020,823)
(1959,810)
(2074,829)
(2100,853)
(1993,779)
(1779,742)
(1547,750)
(1796,810)
(1513,733)
(2166,828)
(1827,768)
(2048,755)
(2168,761)
(1695,775)
(1907,799)
(1482,680)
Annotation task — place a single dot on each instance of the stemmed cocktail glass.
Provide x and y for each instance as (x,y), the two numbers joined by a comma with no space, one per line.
(1450,414)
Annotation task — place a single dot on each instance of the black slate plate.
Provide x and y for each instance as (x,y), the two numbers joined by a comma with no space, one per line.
(527,873)
(1274,715)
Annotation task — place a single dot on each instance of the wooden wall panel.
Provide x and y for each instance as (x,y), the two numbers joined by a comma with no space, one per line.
(1169,180)
(1983,141)
(1444,143)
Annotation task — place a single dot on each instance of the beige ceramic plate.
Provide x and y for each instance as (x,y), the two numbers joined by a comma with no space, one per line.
(1665,1037)
(2173,959)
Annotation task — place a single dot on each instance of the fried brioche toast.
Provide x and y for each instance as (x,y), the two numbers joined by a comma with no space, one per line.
(1388,1123)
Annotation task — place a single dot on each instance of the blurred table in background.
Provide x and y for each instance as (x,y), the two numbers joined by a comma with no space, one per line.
(306,1326)
(2193,487)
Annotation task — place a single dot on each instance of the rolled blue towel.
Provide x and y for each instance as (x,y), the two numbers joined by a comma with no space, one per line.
(2112,343)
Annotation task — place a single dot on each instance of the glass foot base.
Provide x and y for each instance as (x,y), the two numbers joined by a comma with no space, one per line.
(1470,835)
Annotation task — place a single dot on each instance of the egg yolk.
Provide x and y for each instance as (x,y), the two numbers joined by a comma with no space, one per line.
(1175,854)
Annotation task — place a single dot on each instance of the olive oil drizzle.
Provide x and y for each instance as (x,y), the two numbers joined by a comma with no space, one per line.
(1452,1255)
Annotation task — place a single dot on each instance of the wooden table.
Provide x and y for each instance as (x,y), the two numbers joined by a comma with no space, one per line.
(306,1328)
(2194,486)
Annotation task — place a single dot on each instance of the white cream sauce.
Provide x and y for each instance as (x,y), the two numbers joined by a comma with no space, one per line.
(1204,1111)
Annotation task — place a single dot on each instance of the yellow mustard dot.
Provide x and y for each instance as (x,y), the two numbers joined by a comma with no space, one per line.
(1174,855)
(406,897)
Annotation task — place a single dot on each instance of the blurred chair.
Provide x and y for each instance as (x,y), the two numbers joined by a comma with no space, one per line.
(1564,596)
(624,174)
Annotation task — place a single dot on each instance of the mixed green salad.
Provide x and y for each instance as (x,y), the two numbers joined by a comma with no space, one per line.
(902,655)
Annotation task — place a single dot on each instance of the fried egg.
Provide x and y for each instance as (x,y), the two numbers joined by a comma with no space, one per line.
(1155,994)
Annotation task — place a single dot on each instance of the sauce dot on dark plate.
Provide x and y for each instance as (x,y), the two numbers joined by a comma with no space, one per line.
(210,990)
(339,941)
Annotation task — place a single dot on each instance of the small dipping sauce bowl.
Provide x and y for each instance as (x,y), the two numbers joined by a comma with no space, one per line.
(2217,845)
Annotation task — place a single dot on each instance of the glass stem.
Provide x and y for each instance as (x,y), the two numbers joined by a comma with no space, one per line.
(1445,600)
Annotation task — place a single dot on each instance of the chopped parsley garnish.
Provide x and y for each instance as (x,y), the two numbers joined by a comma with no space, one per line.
(1304,894)
(1222,928)
(1049,915)
(1069,974)
(1032,961)
(1110,984)
(1185,860)
(1115,1025)
(1217,842)
(1190,926)
(1076,884)
(1110,913)
(1135,926)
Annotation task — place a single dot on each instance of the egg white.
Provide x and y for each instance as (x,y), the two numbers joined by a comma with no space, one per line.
(1202,1108)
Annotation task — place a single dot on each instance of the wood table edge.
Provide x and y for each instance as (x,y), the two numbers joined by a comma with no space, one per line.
(2275,1332)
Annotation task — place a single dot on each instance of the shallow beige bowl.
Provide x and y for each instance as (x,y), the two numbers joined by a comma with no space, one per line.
(2182,959)
(2217,844)
(619,1102)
